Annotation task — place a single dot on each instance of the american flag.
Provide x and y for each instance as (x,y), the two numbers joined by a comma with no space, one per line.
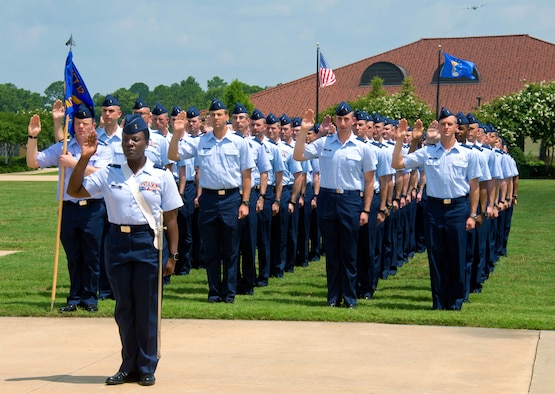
(327,77)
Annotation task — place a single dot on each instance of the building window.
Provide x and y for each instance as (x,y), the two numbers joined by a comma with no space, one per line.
(391,74)
(463,80)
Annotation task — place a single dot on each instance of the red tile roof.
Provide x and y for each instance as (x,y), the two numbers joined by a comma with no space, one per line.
(504,64)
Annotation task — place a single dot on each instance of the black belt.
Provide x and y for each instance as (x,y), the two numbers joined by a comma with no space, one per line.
(288,187)
(221,192)
(447,201)
(189,182)
(341,191)
(130,228)
(83,203)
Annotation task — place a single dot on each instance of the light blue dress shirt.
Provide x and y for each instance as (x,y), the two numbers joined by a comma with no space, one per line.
(157,186)
(220,162)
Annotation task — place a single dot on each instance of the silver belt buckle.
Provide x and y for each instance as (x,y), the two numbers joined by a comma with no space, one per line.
(339,190)
(82,203)
(221,192)
(125,229)
(446,201)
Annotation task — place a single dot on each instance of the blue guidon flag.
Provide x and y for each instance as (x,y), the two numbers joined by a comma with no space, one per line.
(75,92)
(456,68)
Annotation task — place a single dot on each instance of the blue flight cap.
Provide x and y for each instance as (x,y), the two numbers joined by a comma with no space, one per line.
(296,122)
(140,103)
(343,109)
(444,113)
(462,119)
(387,120)
(395,122)
(134,124)
(159,109)
(471,118)
(314,128)
(176,110)
(257,114)
(192,112)
(284,119)
(84,112)
(271,118)
(216,105)
(378,118)
(110,100)
(359,115)
(239,109)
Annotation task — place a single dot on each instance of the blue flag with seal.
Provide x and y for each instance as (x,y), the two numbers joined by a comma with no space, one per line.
(456,68)
(76,92)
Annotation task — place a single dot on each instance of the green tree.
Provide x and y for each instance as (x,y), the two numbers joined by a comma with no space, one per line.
(216,89)
(234,93)
(53,92)
(529,112)
(13,131)
(13,99)
(192,93)
(377,88)
(140,90)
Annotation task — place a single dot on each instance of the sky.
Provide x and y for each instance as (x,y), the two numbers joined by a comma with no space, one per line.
(263,43)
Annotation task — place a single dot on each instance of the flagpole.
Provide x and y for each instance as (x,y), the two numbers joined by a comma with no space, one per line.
(317,78)
(61,180)
(438,79)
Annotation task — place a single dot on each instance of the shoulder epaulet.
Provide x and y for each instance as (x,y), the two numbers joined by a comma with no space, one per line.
(376,143)
(361,139)
(477,147)
(466,146)
(114,165)
(159,166)
(391,142)
(486,147)
(273,142)
(257,140)
(238,134)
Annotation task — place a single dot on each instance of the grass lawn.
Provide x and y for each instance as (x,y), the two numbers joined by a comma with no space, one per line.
(519,294)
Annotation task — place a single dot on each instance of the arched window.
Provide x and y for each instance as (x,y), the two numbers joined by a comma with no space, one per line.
(391,74)
(442,81)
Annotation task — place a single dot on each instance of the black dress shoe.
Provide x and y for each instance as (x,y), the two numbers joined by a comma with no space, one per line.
(90,307)
(122,377)
(147,379)
(68,308)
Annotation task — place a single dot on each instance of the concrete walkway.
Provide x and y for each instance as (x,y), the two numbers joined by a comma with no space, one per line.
(48,174)
(75,355)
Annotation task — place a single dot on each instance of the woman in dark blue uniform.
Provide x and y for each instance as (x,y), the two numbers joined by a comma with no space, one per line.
(131,255)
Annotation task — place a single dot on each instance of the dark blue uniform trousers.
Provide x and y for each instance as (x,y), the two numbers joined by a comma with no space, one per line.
(264,229)
(339,220)
(280,224)
(305,216)
(82,229)
(185,225)
(367,271)
(219,228)
(446,239)
(246,272)
(132,269)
